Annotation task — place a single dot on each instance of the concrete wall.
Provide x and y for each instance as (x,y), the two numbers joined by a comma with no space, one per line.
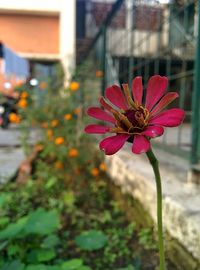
(181,200)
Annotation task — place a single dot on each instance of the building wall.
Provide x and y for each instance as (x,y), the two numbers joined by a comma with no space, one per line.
(29,33)
(53,33)
(32,5)
(143,43)
(68,37)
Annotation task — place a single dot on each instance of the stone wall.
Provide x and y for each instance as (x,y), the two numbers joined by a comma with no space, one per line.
(181,200)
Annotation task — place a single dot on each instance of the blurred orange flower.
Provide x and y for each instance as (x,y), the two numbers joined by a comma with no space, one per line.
(59,140)
(77,111)
(14,118)
(49,133)
(102,167)
(73,152)
(74,86)
(24,94)
(43,85)
(68,116)
(59,165)
(54,123)
(18,120)
(22,103)
(99,73)
(44,125)
(95,172)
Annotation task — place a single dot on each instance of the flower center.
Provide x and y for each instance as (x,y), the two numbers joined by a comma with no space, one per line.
(131,121)
(134,120)
(138,118)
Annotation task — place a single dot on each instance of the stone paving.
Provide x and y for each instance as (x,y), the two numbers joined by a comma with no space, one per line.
(11,152)
(179,136)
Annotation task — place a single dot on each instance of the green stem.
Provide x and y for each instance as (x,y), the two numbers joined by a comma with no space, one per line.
(154,164)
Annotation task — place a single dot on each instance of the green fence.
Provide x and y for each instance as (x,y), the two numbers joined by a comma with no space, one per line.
(145,38)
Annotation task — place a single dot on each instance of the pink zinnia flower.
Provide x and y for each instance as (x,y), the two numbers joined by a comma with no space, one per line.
(131,120)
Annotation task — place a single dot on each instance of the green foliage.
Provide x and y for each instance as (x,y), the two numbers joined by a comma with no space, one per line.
(41,255)
(91,240)
(42,222)
(4,198)
(18,238)
(42,267)
(17,265)
(72,264)
(4,221)
(146,239)
(13,230)
(89,217)
(50,241)
(130,267)
(39,222)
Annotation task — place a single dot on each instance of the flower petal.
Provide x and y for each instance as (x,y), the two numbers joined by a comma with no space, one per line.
(113,144)
(100,114)
(140,144)
(137,89)
(105,104)
(169,118)
(155,90)
(166,100)
(153,131)
(96,129)
(115,95)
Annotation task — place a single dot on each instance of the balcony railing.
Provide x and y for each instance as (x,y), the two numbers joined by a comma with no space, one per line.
(165,44)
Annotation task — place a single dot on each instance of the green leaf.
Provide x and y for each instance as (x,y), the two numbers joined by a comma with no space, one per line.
(42,267)
(3,245)
(73,264)
(42,222)
(41,255)
(91,240)
(46,255)
(4,221)
(13,249)
(36,267)
(53,267)
(13,229)
(130,267)
(4,198)
(50,183)
(15,265)
(39,222)
(84,268)
(69,198)
(50,241)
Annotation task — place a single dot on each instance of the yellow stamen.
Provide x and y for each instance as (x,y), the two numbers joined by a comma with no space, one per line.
(116,130)
(121,118)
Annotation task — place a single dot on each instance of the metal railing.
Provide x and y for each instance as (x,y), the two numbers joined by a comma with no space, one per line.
(139,38)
